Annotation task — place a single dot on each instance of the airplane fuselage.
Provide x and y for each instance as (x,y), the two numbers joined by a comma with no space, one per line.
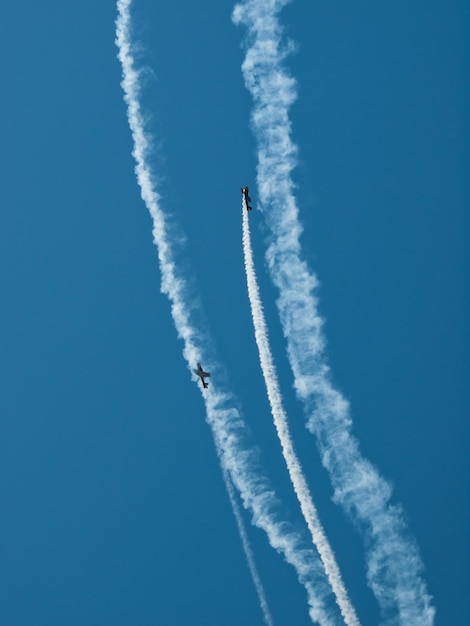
(246,197)
(202,375)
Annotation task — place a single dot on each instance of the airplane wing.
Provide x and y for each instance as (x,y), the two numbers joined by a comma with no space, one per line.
(200,372)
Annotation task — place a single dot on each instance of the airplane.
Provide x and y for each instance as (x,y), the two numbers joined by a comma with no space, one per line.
(202,374)
(246,197)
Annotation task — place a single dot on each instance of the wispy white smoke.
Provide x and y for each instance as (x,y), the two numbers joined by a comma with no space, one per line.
(238,457)
(394,567)
(294,468)
(248,551)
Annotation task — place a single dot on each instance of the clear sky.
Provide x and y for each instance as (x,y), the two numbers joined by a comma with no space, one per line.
(114,509)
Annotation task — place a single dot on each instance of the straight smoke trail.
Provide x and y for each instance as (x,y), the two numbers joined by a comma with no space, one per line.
(240,462)
(394,567)
(294,468)
(238,458)
(248,551)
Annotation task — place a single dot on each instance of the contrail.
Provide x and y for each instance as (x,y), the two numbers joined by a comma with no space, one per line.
(394,567)
(294,468)
(248,551)
(237,455)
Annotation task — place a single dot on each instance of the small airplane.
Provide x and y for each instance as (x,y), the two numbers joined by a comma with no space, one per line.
(246,197)
(202,374)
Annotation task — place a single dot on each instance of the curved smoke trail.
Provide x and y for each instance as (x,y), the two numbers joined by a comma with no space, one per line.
(394,567)
(238,458)
(294,468)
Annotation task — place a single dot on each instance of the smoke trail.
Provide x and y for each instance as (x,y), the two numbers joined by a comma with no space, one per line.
(248,551)
(237,456)
(294,468)
(394,567)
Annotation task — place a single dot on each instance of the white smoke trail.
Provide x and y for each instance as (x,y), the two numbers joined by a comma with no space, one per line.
(248,551)
(294,468)
(394,567)
(237,456)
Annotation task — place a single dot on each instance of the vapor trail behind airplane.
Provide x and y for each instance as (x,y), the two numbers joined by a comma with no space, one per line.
(294,468)
(248,551)
(394,566)
(237,455)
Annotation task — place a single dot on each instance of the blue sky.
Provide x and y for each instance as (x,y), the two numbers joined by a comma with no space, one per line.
(114,508)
